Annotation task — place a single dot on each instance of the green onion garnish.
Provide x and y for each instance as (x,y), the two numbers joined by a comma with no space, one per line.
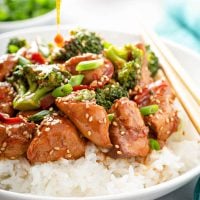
(111,117)
(154,144)
(23,61)
(76,80)
(147,110)
(89,65)
(39,116)
(62,91)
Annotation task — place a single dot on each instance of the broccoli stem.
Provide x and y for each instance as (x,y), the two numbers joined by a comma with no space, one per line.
(30,101)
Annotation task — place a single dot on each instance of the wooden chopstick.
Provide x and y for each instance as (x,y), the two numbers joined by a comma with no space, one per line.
(186,95)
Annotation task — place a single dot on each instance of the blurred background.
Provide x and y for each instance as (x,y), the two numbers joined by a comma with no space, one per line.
(177,20)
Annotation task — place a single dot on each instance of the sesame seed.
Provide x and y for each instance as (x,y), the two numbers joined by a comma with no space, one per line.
(68,151)
(119,152)
(87,105)
(86,115)
(116,105)
(89,133)
(100,121)
(161,128)
(167,120)
(104,120)
(12,158)
(57,148)
(90,119)
(114,123)
(117,146)
(172,119)
(168,132)
(47,129)
(157,101)
(122,132)
(51,152)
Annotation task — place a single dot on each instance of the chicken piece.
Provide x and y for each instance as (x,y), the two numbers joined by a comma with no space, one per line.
(90,118)
(6,97)
(7,62)
(15,138)
(145,73)
(57,138)
(128,132)
(96,77)
(164,122)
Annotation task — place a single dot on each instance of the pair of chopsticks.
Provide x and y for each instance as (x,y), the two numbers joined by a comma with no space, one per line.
(186,91)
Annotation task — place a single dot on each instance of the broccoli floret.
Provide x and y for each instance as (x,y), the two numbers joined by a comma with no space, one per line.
(153,62)
(15,44)
(81,41)
(34,82)
(107,95)
(128,63)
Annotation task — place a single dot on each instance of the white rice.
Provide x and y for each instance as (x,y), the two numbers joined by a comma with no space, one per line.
(89,176)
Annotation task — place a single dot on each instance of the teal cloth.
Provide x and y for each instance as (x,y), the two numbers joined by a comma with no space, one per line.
(182,23)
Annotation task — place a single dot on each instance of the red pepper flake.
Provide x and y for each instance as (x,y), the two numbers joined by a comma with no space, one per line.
(36,57)
(10,120)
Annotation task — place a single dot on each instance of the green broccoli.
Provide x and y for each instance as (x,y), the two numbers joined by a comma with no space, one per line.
(81,41)
(109,93)
(15,44)
(128,63)
(33,82)
(153,63)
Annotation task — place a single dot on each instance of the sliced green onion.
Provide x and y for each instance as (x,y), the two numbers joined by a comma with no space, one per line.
(154,144)
(39,116)
(89,65)
(62,91)
(147,110)
(106,44)
(111,117)
(23,61)
(76,80)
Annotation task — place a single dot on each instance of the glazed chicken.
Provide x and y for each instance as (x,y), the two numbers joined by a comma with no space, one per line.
(6,98)
(96,77)
(15,138)
(89,118)
(7,62)
(56,138)
(164,122)
(128,133)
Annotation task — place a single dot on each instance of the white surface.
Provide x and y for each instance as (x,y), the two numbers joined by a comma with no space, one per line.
(183,55)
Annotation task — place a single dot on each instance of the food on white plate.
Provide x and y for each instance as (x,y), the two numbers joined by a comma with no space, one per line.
(88,118)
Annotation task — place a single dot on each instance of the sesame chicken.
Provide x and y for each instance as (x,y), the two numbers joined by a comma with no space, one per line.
(57,138)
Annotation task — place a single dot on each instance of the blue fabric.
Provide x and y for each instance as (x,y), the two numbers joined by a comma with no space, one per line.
(182,22)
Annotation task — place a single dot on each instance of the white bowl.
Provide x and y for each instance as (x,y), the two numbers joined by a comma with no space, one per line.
(191,62)
(35,21)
